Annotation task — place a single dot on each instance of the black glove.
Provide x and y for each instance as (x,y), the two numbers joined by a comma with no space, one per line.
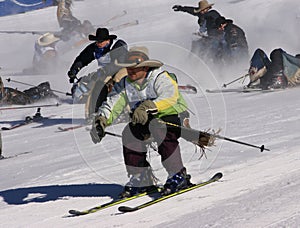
(177,8)
(98,129)
(72,75)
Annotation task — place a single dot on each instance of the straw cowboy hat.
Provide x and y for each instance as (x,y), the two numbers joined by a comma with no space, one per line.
(101,35)
(47,39)
(138,57)
(203,5)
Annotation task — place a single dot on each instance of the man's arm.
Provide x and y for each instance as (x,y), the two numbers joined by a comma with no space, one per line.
(82,60)
(167,91)
(186,9)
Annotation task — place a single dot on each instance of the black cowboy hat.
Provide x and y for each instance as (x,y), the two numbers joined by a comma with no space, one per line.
(101,35)
(222,20)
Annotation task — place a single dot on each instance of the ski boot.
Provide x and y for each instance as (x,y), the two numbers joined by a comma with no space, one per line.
(176,182)
(278,81)
(139,183)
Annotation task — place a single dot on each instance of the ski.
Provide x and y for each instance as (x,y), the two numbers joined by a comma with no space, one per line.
(124,25)
(125,209)
(71,128)
(241,90)
(37,32)
(187,89)
(111,203)
(32,106)
(119,15)
(28,120)
(14,156)
(33,32)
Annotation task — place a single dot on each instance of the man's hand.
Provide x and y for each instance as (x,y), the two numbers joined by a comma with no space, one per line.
(177,8)
(72,75)
(140,114)
(98,129)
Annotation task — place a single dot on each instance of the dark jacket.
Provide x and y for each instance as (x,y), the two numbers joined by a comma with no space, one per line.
(117,50)
(235,36)
(209,18)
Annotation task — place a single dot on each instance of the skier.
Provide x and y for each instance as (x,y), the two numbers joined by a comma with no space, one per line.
(9,96)
(45,57)
(235,47)
(73,31)
(64,14)
(206,17)
(278,72)
(106,48)
(152,95)
(209,38)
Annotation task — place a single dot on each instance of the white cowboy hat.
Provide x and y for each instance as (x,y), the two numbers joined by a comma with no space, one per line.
(47,39)
(203,5)
(138,57)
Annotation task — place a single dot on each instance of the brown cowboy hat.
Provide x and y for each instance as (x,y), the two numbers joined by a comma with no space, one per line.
(138,57)
(203,5)
(101,35)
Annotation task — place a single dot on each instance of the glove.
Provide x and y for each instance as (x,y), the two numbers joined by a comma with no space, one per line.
(177,8)
(202,139)
(72,75)
(140,114)
(98,129)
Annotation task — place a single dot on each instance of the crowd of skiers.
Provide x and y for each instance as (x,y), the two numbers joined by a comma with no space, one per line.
(129,80)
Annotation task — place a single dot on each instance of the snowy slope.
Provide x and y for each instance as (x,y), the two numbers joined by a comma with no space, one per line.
(58,171)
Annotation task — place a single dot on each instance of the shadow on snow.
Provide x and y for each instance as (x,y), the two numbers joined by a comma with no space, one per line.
(42,194)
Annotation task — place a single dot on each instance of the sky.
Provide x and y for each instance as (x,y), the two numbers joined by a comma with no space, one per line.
(54,171)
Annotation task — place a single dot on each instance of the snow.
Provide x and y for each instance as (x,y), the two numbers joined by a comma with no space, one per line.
(58,171)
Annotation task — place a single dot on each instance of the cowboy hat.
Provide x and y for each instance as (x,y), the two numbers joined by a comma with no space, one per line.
(138,57)
(47,39)
(101,35)
(202,6)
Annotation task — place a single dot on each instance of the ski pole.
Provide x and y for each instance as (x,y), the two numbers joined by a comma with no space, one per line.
(113,134)
(23,83)
(32,106)
(262,148)
(224,85)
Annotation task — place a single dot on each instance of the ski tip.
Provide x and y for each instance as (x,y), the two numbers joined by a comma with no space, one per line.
(4,128)
(217,176)
(75,212)
(127,209)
